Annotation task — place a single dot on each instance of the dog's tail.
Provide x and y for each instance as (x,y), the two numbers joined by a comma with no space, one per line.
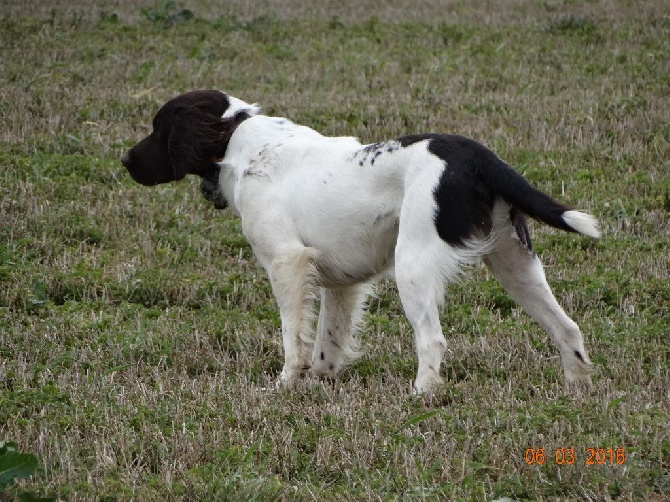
(504,181)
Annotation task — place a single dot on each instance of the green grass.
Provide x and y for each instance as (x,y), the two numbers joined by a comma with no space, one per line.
(139,339)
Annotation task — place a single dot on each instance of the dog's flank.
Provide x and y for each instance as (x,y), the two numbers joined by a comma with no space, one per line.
(332,215)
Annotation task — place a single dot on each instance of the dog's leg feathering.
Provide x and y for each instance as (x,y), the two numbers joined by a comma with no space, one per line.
(293,277)
(340,312)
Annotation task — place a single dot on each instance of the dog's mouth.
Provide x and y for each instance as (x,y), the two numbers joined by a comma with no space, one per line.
(210,190)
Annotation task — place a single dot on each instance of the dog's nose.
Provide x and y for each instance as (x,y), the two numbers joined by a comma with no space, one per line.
(125,158)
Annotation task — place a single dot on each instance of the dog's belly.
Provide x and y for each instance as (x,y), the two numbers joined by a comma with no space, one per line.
(358,256)
(352,222)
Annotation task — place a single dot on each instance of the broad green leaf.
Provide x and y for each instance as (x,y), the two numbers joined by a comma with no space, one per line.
(16,465)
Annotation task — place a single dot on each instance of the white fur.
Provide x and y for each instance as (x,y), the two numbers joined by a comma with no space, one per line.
(284,181)
(238,106)
(582,222)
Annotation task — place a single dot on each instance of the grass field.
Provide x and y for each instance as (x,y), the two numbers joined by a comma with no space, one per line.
(138,335)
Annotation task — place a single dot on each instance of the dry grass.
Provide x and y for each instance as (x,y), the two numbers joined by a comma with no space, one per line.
(138,336)
(483,12)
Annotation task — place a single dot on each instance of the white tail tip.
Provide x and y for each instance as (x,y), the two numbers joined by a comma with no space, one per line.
(582,222)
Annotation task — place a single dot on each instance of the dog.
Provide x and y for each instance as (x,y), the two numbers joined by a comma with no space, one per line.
(329,215)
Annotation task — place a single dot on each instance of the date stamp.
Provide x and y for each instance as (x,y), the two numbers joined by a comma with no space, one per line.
(570,456)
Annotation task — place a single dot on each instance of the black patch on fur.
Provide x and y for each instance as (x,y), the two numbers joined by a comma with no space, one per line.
(472,178)
(519,224)
(371,152)
(373,148)
(579,356)
(464,202)
(323,356)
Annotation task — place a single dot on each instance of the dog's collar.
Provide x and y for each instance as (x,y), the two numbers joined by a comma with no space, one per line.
(209,188)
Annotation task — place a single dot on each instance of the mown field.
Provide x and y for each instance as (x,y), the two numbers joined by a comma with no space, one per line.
(139,339)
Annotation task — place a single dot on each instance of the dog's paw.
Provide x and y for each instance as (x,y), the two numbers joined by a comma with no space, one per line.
(578,370)
(290,375)
(324,369)
(283,383)
(578,381)
(427,384)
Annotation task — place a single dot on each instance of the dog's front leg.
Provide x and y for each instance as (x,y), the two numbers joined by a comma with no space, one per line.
(293,274)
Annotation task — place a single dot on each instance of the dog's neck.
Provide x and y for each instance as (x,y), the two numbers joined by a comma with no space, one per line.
(253,135)
(209,186)
(235,123)
(213,173)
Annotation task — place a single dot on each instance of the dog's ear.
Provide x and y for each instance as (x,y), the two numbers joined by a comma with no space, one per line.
(199,135)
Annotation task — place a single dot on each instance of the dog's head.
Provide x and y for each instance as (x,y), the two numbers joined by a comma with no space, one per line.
(190,135)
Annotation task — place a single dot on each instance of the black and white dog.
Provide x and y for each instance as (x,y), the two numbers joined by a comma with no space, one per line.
(333,214)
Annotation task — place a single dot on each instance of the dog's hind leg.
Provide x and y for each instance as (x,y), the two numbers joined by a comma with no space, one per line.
(424,263)
(421,294)
(340,312)
(513,262)
(293,276)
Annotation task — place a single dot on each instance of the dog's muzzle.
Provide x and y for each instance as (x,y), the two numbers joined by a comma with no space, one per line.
(209,187)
